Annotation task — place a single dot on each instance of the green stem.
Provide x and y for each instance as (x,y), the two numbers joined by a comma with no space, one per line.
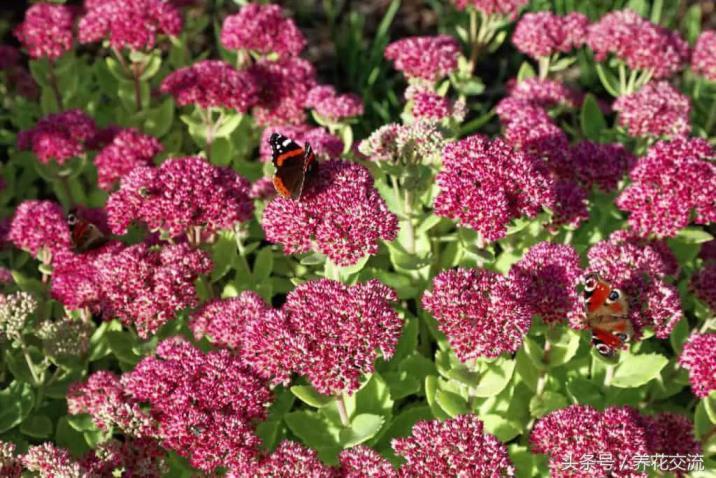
(242,251)
(622,78)
(342,411)
(609,376)
(631,84)
(35,379)
(711,118)
(65,185)
(410,230)
(52,77)
(474,42)
(543,65)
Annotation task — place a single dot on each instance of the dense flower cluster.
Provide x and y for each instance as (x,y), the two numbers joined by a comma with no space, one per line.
(428,58)
(129,148)
(671,434)
(546,280)
(145,287)
(431,106)
(284,88)
(451,447)
(59,136)
(543,34)
(204,403)
(324,101)
(49,460)
(46,31)
(181,194)
(674,180)
(212,83)
(290,459)
(703,284)
(509,8)
(486,184)
(639,43)
(224,321)
(478,312)
(703,58)
(600,165)
(340,214)
(543,93)
(639,268)
(361,461)
(324,144)
(128,23)
(10,464)
(699,358)
(39,225)
(15,312)
(263,29)
(658,109)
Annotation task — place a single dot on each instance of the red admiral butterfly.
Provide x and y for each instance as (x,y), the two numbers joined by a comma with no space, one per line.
(84,234)
(606,309)
(292,164)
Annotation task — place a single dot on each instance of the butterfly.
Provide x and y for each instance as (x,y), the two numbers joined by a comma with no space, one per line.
(606,309)
(293,163)
(84,234)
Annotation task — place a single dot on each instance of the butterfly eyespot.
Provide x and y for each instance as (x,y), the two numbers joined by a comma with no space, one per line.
(623,337)
(604,350)
(71,219)
(614,295)
(590,283)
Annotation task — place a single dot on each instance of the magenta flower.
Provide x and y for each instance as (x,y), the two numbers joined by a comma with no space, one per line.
(543,93)
(671,434)
(46,31)
(103,398)
(672,182)
(262,29)
(212,83)
(703,284)
(546,280)
(485,184)
(340,214)
(639,268)
(324,101)
(59,136)
(289,459)
(284,88)
(431,106)
(140,457)
(205,403)
(10,464)
(600,165)
(568,434)
(543,34)
(262,189)
(658,109)
(39,225)
(132,24)
(146,287)
(362,461)
(181,194)
(324,144)
(699,358)
(478,312)
(639,43)
(47,460)
(452,447)
(339,330)
(708,251)
(5,276)
(223,320)
(508,8)
(703,58)
(128,149)
(428,57)
(381,145)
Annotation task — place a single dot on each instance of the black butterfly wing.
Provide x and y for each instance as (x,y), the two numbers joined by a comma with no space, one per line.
(291,162)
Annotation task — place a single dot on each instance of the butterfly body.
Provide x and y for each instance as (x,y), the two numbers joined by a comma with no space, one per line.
(84,234)
(293,163)
(606,309)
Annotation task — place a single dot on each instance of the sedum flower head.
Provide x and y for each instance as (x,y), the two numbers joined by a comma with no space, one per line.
(128,149)
(284,87)
(326,102)
(658,109)
(509,8)
(699,358)
(543,34)
(46,31)
(10,464)
(290,459)
(39,225)
(600,165)
(65,338)
(49,461)
(426,57)
(59,136)
(703,284)
(263,29)
(703,58)
(361,461)
(15,312)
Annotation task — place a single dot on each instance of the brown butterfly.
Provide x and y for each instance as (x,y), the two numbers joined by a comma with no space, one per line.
(293,163)
(84,234)
(606,309)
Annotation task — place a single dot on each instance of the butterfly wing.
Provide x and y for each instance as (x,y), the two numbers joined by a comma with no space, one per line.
(606,309)
(292,162)
(84,234)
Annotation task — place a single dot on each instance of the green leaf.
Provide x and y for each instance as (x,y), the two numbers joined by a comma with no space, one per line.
(694,235)
(270,433)
(527,464)
(452,403)
(151,69)
(362,428)
(159,120)
(503,428)
(636,370)
(431,388)
(585,391)
(223,254)
(402,424)
(592,119)
(67,437)
(314,430)
(526,71)
(494,377)
(639,6)
(710,406)
(228,125)
(564,348)
(37,426)
(263,265)
(609,81)
(541,405)
(221,152)
(691,23)
(123,346)
(679,335)
(15,404)
(307,394)
(373,397)
(81,422)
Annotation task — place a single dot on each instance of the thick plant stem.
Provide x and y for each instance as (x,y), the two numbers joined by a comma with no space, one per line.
(134,73)
(342,411)
(474,42)
(410,230)
(52,77)
(609,376)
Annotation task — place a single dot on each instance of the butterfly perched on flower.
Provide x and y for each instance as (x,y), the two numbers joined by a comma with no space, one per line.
(84,234)
(606,309)
(293,163)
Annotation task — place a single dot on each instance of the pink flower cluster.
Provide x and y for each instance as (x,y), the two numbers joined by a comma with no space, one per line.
(703,284)
(672,182)
(340,214)
(39,225)
(181,194)
(428,105)
(657,109)
(703,58)
(600,165)
(640,268)
(546,280)
(146,287)
(509,8)
(324,101)
(325,331)
(428,57)
(59,136)
(479,312)
(543,93)
(486,184)
(451,448)
(639,43)
(204,403)
(131,24)
(262,29)
(622,432)
(542,34)
(324,144)
(699,358)
(129,148)
(285,85)
(212,83)
(46,31)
